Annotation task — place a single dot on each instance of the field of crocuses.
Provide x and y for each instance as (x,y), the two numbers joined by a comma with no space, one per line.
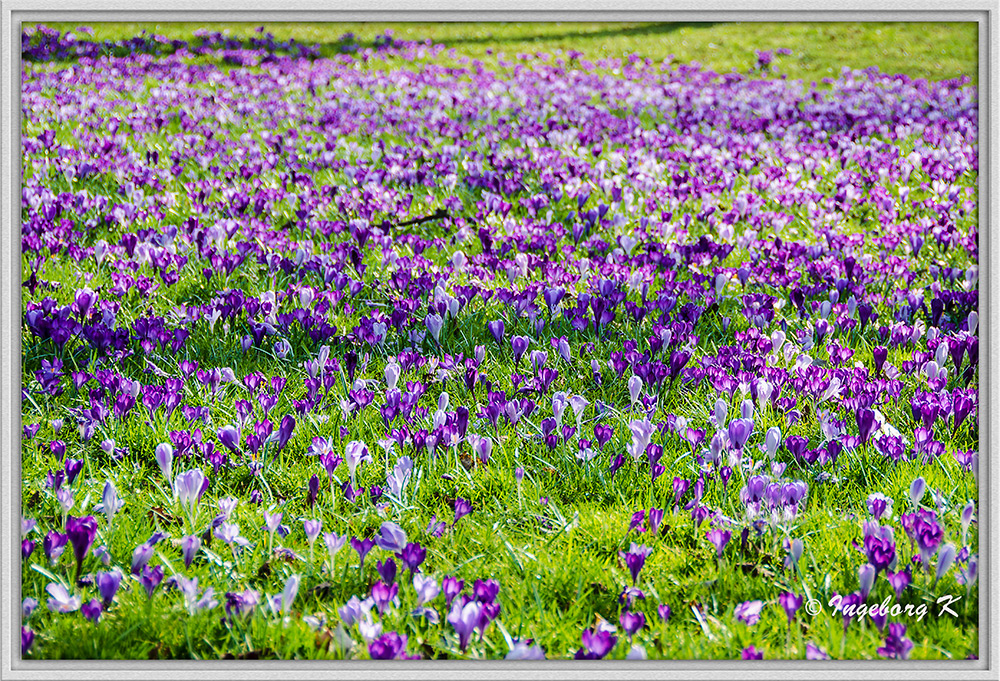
(399,354)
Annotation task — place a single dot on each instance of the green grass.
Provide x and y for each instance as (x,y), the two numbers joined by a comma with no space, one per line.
(557,559)
(935,51)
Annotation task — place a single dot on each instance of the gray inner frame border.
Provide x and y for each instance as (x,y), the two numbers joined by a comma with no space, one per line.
(14,12)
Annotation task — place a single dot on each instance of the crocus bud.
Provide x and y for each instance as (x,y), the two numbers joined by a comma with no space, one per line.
(866,578)
(946,556)
(634,388)
(165,459)
(917,490)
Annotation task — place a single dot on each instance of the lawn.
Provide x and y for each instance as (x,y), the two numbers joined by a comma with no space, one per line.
(500,341)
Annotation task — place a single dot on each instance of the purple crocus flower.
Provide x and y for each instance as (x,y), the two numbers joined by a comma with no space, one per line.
(285,431)
(383,594)
(865,419)
(107,584)
(632,622)
(751,653)
(519,344)
(312,491)
(462,509)
(791,604)
(496,328)
(719,539)
(389,646)
(897,646)
(485,591)
(362,546)
(898,580)
(451,587)
(814,652)
(27,638)
(635,559)
(739,432)
(92,610)
(81,533)
(386,570)
(412,556)
(655,518)
(597,643)
(151,578)
(54,544)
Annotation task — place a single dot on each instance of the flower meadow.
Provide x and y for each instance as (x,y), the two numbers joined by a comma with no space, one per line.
(400,354)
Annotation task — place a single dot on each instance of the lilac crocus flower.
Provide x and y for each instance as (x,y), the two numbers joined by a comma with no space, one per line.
(391,538)
(946,556)
(434,323)
(165,459)
(288,594)
(917,489)
(195,602)
(642,434)
(229,437)
(312,529)
(524,650)
(866,579)
(110,503)
(748,612)
(426,587)
(334,544)
(188,488)
(464,617)
(190,545)
(60,599)
(355,454)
